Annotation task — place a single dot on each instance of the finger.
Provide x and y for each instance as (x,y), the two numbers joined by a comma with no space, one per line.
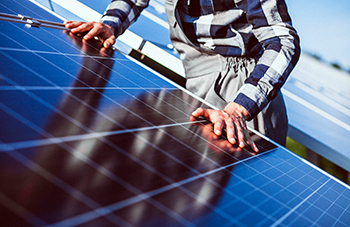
(218,126)
(82,28)
(193,118)
(198,112)
(94,30)
(240,136)
(250,142)
(109,42)
(73,24)
(230,129)
(108,35)
(67,23)
(254,147)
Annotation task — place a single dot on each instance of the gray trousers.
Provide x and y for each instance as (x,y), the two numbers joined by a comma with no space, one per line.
(218,88)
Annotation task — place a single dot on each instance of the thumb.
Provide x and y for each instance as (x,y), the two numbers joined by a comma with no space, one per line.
(198,112)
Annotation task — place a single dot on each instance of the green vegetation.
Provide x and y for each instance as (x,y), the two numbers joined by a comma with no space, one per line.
(296,147)
(336,65)
(318,160)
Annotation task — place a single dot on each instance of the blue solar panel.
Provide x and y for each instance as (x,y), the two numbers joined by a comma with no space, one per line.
(99,140)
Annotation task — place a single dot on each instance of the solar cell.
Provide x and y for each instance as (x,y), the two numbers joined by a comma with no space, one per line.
(94,138)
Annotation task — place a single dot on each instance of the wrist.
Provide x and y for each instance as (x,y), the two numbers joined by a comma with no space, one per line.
(110,28)
(236,109)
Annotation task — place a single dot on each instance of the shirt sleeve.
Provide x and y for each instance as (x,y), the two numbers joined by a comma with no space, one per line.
(273,28)
(120,14)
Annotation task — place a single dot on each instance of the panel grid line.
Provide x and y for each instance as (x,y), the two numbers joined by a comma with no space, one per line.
(279,221)
(64,139)
(47,88)
(143,196)
(343,213)
(57,53)
(331,203)
(55,180)
(14,207)
(268,196)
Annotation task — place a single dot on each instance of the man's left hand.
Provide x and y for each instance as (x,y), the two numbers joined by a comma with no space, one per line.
(232,117)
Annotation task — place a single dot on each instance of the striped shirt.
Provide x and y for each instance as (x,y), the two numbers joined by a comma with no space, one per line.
(233,28)
(120,14)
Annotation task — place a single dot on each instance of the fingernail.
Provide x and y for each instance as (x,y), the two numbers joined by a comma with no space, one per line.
(233,141)
(241,145)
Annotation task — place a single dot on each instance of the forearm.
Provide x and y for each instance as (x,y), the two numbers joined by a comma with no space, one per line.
(281,52)
(120,14)
(269,75)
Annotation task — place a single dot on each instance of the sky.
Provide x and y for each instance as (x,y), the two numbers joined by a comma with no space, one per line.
(324,28)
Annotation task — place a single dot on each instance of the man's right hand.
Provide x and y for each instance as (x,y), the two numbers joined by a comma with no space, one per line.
(93,29)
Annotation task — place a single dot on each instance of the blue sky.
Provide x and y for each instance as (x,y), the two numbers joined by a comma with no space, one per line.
(324,28)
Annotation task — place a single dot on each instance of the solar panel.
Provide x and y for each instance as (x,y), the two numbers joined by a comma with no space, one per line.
(93,138)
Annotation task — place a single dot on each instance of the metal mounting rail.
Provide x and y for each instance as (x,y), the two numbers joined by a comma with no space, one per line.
(32,22)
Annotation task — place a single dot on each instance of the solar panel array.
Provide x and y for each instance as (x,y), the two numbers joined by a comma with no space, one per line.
(90,137)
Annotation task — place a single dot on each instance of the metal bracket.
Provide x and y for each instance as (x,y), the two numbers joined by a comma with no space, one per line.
(29,21)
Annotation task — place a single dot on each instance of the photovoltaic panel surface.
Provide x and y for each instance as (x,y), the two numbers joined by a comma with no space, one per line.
(90,137)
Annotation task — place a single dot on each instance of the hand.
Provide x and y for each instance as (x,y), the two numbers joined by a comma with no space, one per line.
(232,117)
(93,29)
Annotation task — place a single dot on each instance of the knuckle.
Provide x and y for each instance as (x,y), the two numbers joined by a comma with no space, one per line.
(230,120)
(98,25)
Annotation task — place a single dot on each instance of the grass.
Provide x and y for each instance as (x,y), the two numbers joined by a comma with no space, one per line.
(296,148)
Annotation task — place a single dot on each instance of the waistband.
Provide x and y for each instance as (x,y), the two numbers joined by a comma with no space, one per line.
(203,64)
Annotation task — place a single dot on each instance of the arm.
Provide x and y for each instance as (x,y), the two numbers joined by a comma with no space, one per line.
(273,28)
(119,15)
